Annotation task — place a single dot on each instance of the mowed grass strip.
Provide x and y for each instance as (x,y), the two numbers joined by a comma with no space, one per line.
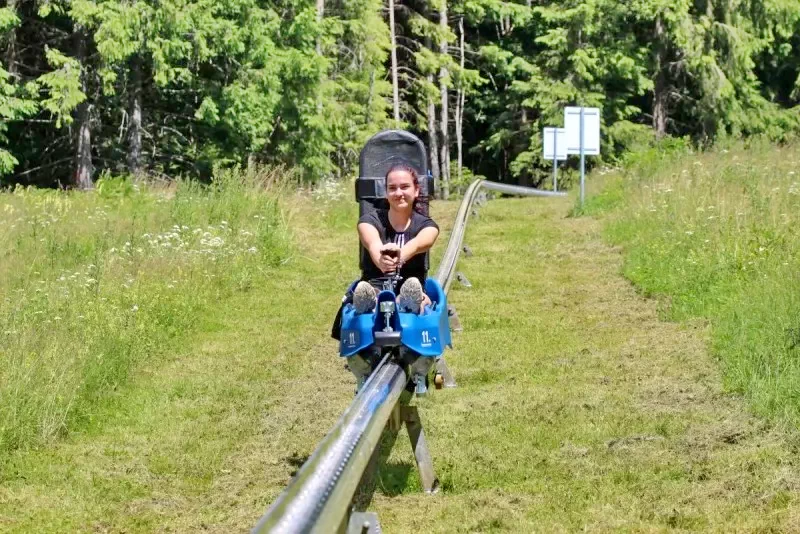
(577,408)
(714,236)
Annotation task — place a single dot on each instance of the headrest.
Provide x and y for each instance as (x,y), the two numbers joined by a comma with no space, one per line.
(383,151)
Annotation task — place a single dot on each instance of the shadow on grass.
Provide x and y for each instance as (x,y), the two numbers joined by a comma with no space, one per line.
(296,461)
(391,479)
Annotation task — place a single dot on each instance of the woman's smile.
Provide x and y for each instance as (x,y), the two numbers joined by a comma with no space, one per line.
(401,189)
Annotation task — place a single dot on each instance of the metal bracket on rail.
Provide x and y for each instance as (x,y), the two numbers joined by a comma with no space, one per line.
(452,315)
(442,369)
(364,523)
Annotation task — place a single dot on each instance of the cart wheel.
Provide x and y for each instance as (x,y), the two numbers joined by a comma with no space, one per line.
(438,381)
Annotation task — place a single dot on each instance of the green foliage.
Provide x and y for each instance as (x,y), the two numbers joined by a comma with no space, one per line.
(8,19)
(108,186)
(177,87)
(12,107)
(63,86)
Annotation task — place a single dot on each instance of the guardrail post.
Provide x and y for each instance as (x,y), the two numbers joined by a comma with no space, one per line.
(421,452)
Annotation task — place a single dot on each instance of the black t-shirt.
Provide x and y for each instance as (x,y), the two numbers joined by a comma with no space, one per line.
(380,220)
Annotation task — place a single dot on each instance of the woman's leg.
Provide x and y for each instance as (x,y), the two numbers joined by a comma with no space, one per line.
(364,297)
(411,296)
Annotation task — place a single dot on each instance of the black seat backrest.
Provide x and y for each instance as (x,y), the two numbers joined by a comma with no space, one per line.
(384,150)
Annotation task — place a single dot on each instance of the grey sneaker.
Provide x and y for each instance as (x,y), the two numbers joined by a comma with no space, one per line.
(364,297)
(411,295)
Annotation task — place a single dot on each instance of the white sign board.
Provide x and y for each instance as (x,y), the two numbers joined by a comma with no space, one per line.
(591,130)
(554,141)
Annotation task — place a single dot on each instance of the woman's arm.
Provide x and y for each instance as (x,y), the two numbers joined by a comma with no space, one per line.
(421,243)
(371,240)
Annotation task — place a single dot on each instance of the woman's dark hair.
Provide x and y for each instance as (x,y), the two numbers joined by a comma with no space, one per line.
(421,203)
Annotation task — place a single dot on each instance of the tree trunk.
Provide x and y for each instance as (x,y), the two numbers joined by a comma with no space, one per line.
(445,149)
(460,105)
(82,178)
(320,14)
(395,88)
(433,141)
(11,47)
(135,112)
(660,86)
(369,95)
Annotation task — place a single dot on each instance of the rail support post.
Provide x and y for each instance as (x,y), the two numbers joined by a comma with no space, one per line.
(442,369)
(421,452)
(452,315)
(463,279)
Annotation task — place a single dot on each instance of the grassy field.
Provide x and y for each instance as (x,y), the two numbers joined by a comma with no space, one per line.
(714,236)
(95,284)
(578,406)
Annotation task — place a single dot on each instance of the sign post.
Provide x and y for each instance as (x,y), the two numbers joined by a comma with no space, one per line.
(554,146)
(583,136)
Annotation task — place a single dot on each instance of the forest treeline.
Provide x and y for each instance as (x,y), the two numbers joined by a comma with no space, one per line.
(174,87)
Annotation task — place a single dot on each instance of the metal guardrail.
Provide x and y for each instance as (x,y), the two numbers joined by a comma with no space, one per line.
(318,498)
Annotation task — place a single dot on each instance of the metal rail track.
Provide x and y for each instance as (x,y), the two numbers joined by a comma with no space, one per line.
(319,497)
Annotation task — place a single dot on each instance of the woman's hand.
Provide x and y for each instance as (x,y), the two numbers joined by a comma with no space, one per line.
(389,259)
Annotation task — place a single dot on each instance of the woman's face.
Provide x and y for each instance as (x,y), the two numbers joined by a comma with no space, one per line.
(401,190)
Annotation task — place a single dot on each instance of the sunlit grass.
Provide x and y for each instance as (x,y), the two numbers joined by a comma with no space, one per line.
(715,236)
(94,283)
(577,408)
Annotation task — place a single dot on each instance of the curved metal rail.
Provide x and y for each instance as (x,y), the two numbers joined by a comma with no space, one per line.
(318,498)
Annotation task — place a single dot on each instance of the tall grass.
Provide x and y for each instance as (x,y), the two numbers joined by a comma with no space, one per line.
(715,235)
(94,284)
